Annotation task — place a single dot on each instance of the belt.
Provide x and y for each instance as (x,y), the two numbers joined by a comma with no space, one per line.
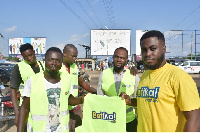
(75,108)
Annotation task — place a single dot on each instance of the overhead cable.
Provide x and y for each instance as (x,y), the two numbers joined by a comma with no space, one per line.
(94,13)
(74,13)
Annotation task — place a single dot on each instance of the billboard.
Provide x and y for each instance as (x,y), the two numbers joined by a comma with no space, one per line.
(38,43)
(104,42)
(139,34)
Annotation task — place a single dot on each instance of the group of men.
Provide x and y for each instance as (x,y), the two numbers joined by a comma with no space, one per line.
(166,97)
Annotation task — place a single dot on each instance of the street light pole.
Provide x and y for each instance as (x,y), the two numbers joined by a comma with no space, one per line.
(107,48)
(1,43)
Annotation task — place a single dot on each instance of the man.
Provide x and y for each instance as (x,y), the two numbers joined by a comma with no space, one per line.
(167,97)
(46,97)
(70,53)
(21,72)
(117,79)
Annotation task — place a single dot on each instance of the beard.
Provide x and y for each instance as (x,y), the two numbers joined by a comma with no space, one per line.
(157,65)
(118,68)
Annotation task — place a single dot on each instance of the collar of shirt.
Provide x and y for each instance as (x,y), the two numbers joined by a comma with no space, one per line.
(68,69)
(114,72)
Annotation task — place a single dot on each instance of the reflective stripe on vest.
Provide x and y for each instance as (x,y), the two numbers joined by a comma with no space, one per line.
(65,112)
(39,103)
(26,72)
(127,86)
(38,117)
(75,86)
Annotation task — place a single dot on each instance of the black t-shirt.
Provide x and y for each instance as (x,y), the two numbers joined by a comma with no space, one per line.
(16,78)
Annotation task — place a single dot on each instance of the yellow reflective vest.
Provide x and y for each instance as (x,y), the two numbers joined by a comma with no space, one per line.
(103,114)
(39,103)
(26,72)
(127,86)
(74,76)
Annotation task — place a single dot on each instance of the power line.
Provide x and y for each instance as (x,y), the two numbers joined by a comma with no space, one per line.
(108,7)
(193,24)
(81,6)
(74,13)
(94,12)
(186,17)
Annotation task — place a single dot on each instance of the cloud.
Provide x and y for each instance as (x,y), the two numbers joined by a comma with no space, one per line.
(11,29)
(85,35)
(73,38)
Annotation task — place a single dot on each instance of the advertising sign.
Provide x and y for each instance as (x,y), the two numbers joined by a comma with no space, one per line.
(104,42)
(38,43)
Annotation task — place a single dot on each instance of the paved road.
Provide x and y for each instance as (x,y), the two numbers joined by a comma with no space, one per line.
(94,81)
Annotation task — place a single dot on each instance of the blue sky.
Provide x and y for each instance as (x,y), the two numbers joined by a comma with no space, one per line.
(70,21)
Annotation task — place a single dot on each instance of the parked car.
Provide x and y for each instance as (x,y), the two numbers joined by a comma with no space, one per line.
(191,66)
(5,73)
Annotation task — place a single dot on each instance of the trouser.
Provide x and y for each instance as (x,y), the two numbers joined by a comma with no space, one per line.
(132,126)
(75,119)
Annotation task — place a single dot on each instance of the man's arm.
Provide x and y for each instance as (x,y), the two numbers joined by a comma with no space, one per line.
(14,99)
(133,71)
(85,86)
(192,120)
(23,114)
(14,85)
(75,100)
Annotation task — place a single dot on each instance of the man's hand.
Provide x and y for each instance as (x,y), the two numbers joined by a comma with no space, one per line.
(126,97)
(133,71)
(14,99)
(82,97)
(16,117)
(128,100)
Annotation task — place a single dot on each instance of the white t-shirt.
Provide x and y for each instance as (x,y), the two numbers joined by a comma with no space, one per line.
(53,94)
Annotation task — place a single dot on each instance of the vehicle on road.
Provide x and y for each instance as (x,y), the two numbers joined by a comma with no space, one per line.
(5,73)
(190,66)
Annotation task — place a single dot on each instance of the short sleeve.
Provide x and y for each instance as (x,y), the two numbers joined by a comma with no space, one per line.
(27,88)
(16,78)
(187,95)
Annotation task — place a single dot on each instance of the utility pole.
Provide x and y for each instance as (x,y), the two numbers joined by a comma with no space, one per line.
(1,43)
(191,46)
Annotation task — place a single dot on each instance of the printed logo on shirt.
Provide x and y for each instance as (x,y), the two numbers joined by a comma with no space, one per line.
(151,95)
(104,116)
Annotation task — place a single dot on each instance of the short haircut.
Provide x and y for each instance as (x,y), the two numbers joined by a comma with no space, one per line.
(25,47)
(153,33)
(69,46)
(122,49)
(53,49)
